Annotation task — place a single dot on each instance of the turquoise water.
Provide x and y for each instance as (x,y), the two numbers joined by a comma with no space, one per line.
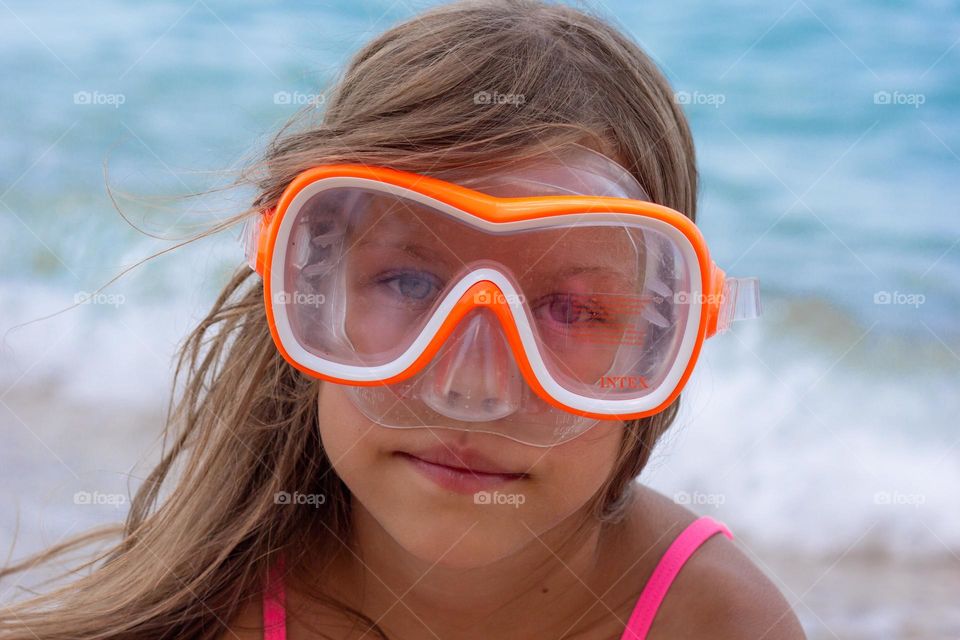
(808,182)
(829,146)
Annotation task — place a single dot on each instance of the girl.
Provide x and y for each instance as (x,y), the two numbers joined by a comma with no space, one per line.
(422,411)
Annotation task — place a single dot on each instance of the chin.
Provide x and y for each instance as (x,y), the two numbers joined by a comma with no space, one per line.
(467,544)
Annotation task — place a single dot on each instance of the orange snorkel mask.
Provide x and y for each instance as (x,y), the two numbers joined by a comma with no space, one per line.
(533,303)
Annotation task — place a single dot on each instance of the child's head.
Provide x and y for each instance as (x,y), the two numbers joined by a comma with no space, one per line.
(478,88)
(467,88)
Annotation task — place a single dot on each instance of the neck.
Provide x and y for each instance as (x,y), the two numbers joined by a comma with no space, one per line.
(555,574)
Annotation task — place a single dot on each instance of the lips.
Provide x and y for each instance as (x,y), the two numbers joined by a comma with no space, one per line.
(460,470)
(467,460)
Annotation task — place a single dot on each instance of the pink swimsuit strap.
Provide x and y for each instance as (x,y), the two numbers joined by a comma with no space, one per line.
(680,550)
(274,604)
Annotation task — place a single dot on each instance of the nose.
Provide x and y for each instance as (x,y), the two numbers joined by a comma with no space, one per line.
(474,378)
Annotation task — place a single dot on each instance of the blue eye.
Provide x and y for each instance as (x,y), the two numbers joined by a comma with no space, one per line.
(413,286)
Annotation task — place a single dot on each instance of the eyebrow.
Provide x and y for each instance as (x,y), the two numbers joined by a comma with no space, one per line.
(580,269)
(423,252)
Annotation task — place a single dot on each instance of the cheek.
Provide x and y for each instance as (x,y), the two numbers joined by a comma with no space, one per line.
(350,440)
(455,530)
(576,470)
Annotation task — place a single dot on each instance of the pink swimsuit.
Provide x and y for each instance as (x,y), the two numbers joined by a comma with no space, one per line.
(698,532)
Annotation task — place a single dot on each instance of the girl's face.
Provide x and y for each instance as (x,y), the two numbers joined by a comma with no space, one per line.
(461,520)
(512,493)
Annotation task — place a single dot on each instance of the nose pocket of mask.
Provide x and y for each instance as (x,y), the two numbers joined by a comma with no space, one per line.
(474,377)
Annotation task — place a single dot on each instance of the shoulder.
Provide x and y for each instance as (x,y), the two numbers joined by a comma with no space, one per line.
(719,593)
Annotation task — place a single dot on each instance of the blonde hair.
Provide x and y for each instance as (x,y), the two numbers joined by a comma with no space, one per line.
(245,425)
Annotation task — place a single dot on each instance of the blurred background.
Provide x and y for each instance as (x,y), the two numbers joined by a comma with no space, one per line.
(826,435)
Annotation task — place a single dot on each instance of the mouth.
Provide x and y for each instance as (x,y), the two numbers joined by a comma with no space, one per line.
(460,471)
